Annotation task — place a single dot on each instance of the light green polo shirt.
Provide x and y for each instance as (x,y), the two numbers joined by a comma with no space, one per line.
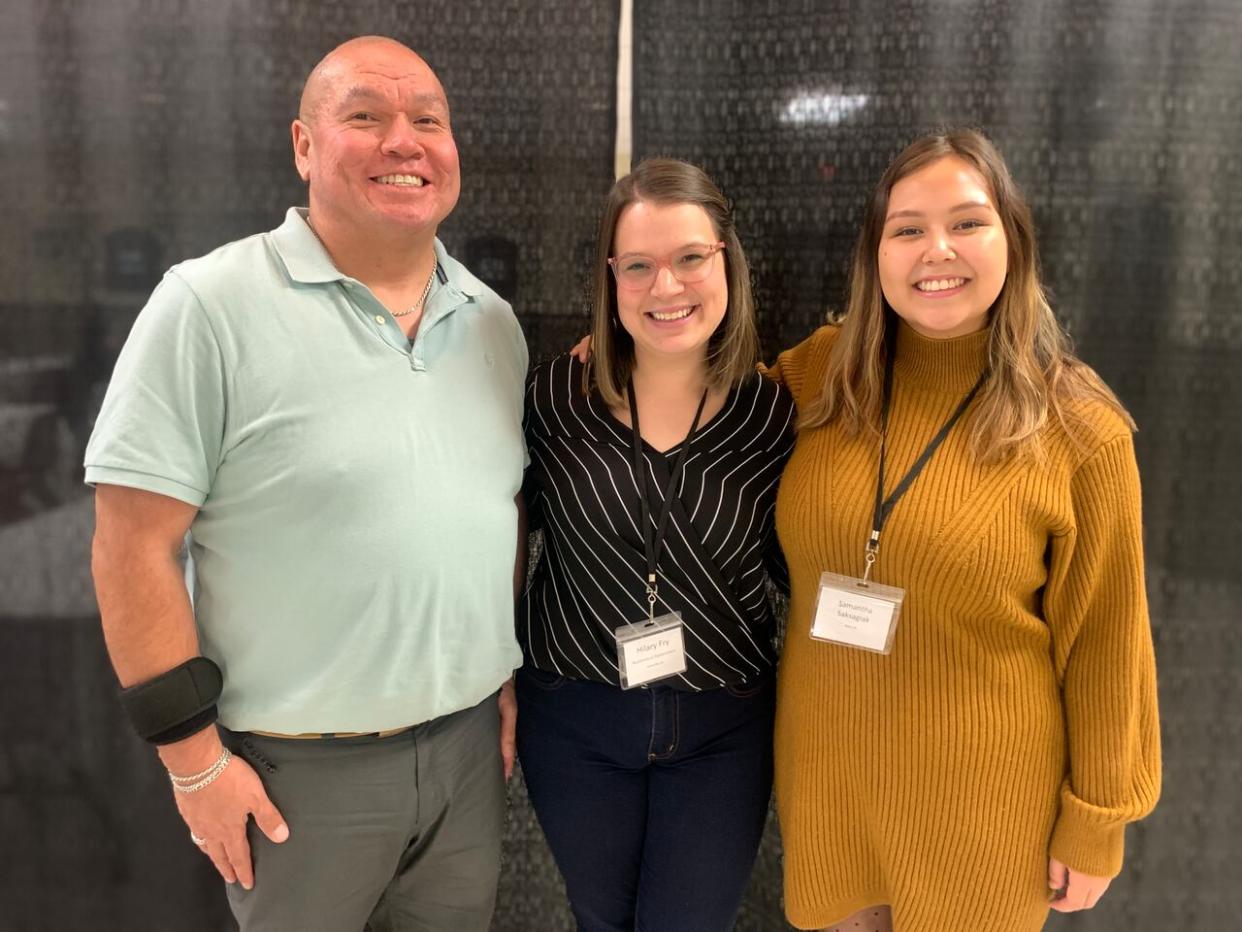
(353,549)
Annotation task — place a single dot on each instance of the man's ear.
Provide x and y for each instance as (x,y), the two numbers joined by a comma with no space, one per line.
(301,148)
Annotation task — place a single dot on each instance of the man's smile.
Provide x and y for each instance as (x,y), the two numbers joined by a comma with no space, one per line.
(403,181)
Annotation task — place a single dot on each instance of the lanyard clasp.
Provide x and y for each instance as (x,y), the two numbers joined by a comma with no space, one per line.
(869,557)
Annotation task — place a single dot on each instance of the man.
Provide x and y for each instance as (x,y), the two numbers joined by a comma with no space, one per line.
(333,411)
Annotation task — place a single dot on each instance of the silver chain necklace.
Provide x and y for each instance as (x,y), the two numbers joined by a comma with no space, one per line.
(426,288)
(422,300)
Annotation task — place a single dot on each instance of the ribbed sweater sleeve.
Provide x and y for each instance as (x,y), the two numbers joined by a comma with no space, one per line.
(1096,609)
(791,366)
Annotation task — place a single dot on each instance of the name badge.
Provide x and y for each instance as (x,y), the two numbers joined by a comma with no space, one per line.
(651,650)
(856,613)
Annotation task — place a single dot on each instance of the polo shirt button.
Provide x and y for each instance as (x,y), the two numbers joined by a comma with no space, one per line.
(379,318)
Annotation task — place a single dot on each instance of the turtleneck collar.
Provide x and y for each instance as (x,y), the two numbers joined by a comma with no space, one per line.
(950,365)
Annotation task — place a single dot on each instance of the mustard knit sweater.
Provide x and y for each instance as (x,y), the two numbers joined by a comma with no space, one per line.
(1016,714)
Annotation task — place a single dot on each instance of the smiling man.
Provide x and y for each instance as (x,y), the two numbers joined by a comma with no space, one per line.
(330,415)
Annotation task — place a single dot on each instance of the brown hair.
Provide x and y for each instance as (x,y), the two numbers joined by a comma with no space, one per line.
(1032,370)
(733,349)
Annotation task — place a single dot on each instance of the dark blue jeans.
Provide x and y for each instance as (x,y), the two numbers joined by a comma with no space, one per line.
(653,800)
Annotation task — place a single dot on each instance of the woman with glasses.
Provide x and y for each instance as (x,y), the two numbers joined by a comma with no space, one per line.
(647,693)
(967,709)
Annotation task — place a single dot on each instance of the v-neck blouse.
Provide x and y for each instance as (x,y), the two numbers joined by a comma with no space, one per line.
(719,548)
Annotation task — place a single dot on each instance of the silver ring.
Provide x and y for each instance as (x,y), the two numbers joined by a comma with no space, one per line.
(198,841)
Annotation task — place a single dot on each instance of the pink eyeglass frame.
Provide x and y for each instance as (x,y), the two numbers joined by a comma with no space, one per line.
(665,263)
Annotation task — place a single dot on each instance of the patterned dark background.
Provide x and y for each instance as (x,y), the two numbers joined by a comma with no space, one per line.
(135,133)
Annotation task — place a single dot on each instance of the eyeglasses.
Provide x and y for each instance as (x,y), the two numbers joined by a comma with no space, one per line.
(688,264)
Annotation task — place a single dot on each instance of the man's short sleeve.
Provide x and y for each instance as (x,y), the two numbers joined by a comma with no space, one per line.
(162,421)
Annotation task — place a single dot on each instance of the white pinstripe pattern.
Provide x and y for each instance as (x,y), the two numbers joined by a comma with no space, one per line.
(580,489)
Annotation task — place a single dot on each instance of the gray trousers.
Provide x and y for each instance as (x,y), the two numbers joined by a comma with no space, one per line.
(397,834)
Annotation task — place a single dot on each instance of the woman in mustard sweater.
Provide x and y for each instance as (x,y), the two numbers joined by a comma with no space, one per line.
(967,698)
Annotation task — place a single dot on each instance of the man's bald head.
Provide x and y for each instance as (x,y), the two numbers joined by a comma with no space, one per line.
(374,142)
(345,60)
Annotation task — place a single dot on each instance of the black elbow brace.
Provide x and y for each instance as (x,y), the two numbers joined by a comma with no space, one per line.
(175,704)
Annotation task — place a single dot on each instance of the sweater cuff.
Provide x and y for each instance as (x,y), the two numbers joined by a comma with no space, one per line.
(1084,843)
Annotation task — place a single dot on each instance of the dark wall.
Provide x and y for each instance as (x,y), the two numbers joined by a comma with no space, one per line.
(136,133)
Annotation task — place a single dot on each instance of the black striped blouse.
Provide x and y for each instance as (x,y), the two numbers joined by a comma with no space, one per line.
(720,544)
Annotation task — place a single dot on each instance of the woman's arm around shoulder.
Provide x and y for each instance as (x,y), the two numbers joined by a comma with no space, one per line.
(801,368)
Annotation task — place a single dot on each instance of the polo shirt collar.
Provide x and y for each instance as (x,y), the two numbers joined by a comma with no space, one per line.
(299,249)
(308,262)
(457,274)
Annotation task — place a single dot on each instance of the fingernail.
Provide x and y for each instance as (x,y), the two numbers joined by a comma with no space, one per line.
(281,833)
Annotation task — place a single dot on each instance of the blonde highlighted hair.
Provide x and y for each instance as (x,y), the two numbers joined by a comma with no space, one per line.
(733,349)
(1033,375)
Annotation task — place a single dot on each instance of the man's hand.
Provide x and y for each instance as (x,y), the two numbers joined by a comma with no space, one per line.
(1071,890)
(218,814)
(582,350)
(508,726)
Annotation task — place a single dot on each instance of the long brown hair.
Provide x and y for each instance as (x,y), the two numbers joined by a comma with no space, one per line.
(1032,371)
(733,349)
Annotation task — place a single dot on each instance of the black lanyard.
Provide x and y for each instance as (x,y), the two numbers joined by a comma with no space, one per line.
(654,547)
(884,506)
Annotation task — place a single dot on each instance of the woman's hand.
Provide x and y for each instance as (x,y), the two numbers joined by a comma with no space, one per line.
(1070,890)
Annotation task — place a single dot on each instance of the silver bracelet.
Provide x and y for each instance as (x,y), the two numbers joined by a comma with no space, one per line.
(194,778)
(195,782)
